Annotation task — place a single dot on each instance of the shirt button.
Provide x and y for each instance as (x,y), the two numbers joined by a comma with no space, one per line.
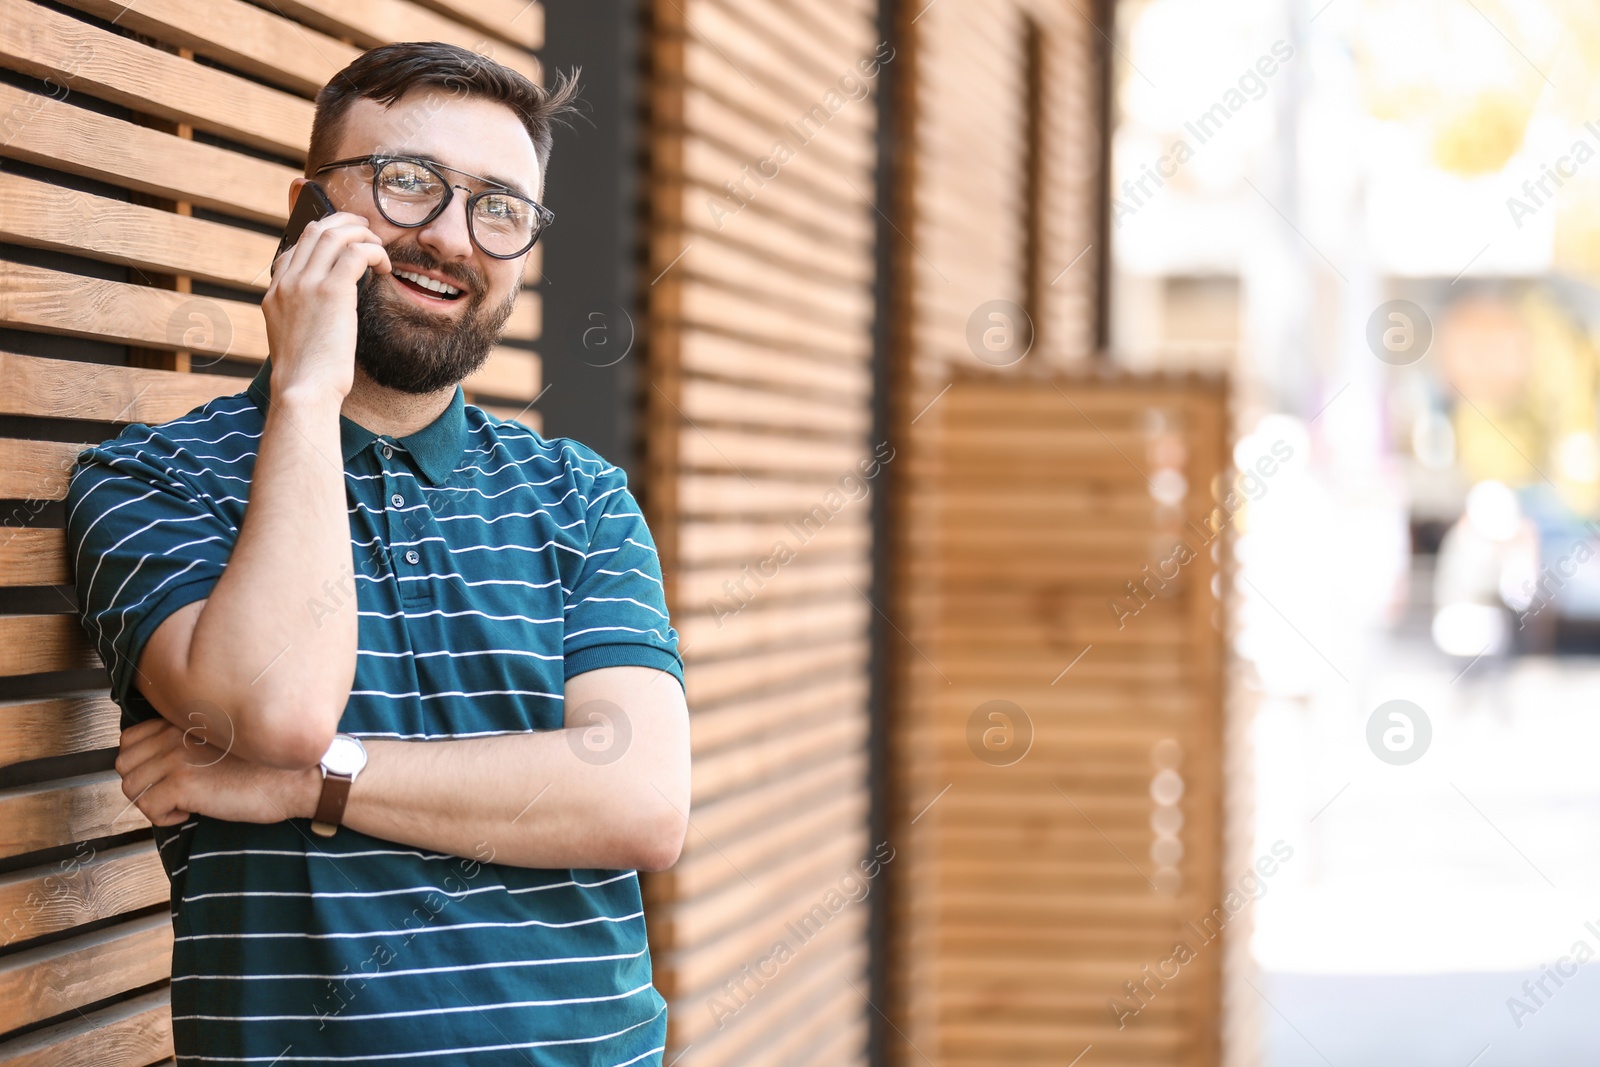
(412,557)
(397,500)
(388,453)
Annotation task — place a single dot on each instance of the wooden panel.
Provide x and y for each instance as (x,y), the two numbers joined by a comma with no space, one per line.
(761,335)
(65,975)
(63,389)
(66,220)
(31,644)
(188,120)
(33,557)
(238,34)
(47,45)
(83,888)
(53,134)
(130,1033)
(74,809)
(35,472)
(373,22)
(510,373)
(37,727)
(1041,879)
(34,298)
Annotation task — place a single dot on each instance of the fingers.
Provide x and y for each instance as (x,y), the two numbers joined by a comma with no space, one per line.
(143,742)
(307,262)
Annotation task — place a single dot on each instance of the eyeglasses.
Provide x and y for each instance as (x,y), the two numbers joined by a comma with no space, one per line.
(412,192)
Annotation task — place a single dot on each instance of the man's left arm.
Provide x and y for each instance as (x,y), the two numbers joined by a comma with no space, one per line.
(609,790)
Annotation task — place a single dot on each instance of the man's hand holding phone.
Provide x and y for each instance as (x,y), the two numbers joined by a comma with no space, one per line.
(310,307)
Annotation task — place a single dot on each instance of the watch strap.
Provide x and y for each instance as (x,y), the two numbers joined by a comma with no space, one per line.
(330,808)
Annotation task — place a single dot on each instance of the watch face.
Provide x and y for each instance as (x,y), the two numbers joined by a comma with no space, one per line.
(344,756)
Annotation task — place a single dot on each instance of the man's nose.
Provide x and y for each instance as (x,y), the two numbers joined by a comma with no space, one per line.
(447,236)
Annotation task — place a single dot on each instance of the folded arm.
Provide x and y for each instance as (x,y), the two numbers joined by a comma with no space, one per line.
(609,790)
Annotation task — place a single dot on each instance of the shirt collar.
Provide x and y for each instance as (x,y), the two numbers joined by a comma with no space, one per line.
(436,447)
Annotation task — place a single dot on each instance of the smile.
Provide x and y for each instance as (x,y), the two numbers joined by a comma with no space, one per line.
(443,289)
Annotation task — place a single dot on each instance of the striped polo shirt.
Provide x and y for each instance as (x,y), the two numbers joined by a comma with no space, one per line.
(489,564)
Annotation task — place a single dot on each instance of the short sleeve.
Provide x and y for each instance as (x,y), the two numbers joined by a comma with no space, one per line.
(143,543)
(616,612)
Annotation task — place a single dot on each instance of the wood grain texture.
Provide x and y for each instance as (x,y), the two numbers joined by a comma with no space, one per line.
(86,59)
(41,215)
(85,887)
(760,388)
(192,116)
(43,982)
(129,1033)
(50,133)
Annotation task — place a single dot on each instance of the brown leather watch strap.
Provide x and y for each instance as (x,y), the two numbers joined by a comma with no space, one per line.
(330,808)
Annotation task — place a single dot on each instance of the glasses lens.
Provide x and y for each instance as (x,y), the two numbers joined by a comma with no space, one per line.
(408,192)
(504,224)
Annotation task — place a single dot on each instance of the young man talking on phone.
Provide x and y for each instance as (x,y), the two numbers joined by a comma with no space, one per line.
(400,691)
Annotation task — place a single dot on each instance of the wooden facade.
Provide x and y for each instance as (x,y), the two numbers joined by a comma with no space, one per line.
(1056,719)
(145,156)
(761,274)
(145,153)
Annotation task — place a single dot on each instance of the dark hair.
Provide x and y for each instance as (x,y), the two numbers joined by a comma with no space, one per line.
(390,71)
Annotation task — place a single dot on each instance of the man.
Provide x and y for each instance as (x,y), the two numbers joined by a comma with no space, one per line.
(401,693)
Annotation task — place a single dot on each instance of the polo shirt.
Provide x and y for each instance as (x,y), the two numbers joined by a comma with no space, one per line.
(488,565)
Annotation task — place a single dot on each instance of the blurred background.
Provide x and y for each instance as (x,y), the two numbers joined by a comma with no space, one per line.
(1391,248)
(1125,473)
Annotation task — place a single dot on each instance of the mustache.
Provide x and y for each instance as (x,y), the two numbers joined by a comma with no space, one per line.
(461,275)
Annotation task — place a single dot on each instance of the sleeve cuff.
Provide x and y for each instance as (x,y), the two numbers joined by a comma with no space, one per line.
(623,655)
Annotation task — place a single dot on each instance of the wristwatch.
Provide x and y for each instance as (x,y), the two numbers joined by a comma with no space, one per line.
(345,758)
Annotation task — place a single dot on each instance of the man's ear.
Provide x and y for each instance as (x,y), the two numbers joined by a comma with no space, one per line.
(294,191)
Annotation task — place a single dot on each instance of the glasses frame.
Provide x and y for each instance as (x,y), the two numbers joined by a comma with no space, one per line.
(378,162)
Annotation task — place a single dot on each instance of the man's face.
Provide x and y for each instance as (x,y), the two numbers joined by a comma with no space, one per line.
(410,338)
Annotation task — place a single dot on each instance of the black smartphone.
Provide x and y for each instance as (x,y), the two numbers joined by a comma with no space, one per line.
(310,205)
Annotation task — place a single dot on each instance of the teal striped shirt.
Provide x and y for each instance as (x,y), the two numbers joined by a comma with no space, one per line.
(489,565)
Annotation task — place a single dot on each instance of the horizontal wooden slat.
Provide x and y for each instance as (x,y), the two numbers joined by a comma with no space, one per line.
(33,557)
(129,1033)
(526,317)
(87,59)
(36,298)
(59,135)
(712,682)
(518,21)
(65,975)
(700,967)
(241,35)
(54,134)
(31,644)
(374,22)
(757,810)
(37,727)
(813,825)
(67,389)
(723,773)
(509,374)
(775,623)
(35,472)
(41,215)
(82,888)
(74,809)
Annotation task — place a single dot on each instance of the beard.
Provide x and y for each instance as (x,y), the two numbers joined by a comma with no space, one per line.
(403,347)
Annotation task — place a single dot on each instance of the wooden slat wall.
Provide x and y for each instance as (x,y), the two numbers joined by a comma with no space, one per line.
(1027,894)
(145,153)
(760,390)
(1035,889)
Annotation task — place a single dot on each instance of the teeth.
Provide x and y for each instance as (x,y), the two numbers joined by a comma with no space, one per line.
(429,283)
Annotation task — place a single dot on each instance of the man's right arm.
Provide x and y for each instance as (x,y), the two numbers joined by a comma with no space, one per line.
(261,675)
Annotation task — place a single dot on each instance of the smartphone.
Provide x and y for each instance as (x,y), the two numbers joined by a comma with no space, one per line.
(310,205)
